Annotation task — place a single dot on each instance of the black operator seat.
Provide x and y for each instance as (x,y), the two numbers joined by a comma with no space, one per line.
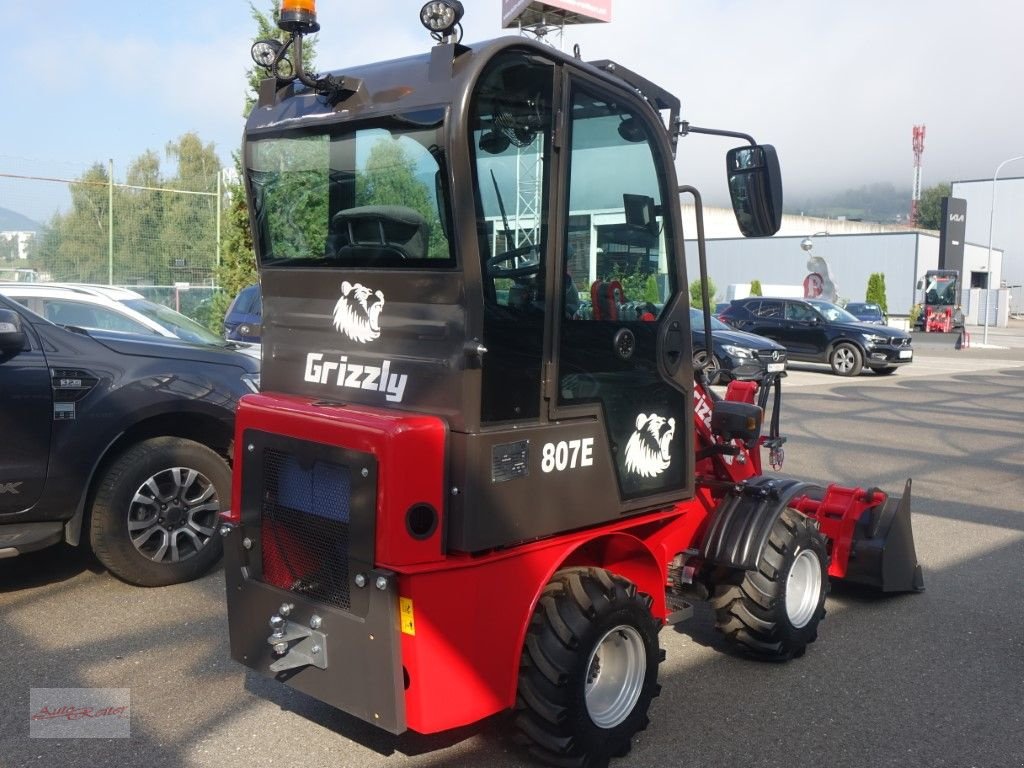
(378,235)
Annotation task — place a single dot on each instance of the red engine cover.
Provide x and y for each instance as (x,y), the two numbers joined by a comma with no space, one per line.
(410,454)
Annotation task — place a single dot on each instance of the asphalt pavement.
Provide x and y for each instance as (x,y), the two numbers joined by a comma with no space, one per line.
(930,680)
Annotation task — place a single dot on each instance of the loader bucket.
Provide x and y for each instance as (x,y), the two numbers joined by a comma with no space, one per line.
(883,554)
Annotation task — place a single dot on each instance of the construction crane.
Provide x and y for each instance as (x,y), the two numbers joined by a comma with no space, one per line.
(915,197)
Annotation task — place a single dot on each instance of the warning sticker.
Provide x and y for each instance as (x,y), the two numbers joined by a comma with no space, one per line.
(405,611)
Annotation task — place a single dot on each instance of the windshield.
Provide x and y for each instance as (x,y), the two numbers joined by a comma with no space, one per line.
(697,321)
(371,196)
(833,313)
(940,289)
(175,322)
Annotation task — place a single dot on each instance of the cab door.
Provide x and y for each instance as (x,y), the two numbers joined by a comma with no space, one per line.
(620,342)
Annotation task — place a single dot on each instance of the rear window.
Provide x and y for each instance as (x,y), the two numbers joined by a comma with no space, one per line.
(767,309)
(369,196)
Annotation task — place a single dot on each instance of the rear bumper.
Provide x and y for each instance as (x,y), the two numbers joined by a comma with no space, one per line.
(20,538)
(361,670)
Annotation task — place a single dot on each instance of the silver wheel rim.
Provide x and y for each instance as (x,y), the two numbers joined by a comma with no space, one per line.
(844,360)
(713,370)
(173,515)
(615,676)
(803,588)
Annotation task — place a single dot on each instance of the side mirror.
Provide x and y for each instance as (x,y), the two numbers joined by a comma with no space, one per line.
(731,420)
(12,336)
(755,184)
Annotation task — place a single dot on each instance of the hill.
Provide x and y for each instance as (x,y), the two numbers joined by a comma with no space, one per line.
(875,202)
(12,221)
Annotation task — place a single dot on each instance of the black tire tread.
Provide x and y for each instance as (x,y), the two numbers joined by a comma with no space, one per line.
(750,608)
(571,606)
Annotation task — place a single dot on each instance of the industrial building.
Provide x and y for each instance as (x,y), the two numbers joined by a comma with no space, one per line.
(852,250)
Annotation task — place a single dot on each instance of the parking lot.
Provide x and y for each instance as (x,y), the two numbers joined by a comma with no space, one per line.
(935,679)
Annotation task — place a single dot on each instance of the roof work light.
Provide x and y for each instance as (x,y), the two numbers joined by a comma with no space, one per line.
(441,16)
(298,16)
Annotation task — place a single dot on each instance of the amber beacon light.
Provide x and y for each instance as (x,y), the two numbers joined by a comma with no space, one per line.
(298,16)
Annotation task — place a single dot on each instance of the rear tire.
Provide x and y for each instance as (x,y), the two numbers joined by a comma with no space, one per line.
(887,370)
(846,360)
(155,517)
(773,611)
(589,669)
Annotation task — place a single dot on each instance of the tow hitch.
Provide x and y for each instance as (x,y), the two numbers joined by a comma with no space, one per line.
(310,650)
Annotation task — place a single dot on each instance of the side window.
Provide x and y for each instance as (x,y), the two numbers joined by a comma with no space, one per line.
(799,312)
(769,310)
(616,264)
(511,150)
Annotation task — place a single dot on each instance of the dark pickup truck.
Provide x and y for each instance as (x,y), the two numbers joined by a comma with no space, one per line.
(117,440)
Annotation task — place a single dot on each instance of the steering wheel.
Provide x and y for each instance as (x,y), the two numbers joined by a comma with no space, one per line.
(494,268)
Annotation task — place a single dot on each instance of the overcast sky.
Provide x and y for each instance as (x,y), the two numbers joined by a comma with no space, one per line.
(836,85)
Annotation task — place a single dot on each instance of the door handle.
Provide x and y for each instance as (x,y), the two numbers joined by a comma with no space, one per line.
(672,347)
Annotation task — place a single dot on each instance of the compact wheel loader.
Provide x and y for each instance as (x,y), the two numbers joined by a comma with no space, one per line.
(483,472)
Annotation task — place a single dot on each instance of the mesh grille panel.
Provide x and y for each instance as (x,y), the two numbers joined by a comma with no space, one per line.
(305,513)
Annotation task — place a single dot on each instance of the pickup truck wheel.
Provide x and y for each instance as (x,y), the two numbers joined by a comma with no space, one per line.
(155,516)
(772,612)
(589,670)
(846,360)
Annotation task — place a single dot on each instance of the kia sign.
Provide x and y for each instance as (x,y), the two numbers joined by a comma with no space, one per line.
(526,12)
(952,234)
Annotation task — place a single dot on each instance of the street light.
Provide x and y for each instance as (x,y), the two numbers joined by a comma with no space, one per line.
(991,217)
(808,243)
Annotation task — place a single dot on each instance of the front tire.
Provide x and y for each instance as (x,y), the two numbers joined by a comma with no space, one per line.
(714,372)
(155,516)
(772,612)
(589,669)
(846,360)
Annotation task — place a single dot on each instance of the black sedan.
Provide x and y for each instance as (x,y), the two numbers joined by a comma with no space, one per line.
(737,355)
(820,332)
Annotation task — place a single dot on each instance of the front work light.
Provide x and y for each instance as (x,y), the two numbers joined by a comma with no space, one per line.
(265,51)
(441,16)
(298,16)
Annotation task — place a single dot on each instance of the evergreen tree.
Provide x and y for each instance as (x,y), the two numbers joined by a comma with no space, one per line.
(696,295)
(875,293)
(238,260)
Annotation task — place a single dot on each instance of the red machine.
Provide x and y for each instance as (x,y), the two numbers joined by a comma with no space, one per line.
(462,491)
(941,301)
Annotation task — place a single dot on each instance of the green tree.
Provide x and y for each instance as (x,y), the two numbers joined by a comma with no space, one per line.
(74,247)
(929,207)
(238,259)
(875,293)
(138,224)
(696,296)
(188,235)
(755,288)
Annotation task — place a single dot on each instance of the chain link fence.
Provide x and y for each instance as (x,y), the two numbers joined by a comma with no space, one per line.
(160,239)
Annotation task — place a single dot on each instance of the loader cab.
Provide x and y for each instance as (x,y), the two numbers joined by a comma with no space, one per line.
(492,236)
